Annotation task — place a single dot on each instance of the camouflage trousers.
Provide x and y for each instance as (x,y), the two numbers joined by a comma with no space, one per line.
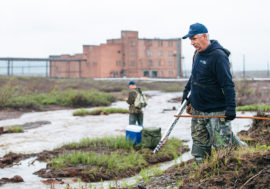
(136,118)
(211,132)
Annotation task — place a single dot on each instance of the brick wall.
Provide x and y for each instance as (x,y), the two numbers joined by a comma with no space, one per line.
(127,56)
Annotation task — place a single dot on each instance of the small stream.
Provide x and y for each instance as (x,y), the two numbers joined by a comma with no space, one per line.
(65,128)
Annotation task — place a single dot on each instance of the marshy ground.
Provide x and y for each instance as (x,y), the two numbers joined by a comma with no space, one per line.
(230,168)
(246,168)
(94,160)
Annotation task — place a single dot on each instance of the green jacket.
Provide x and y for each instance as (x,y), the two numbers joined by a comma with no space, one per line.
(131,99)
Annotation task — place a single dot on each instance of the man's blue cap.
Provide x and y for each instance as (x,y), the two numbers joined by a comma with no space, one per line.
(195,29)
(131,83)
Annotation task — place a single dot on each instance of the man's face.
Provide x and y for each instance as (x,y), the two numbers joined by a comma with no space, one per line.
(132,86)
(199,42)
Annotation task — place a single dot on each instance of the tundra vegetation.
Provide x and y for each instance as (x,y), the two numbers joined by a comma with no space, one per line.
(37,93)
(105,158)
(15,129)
(100,111)
(246,167)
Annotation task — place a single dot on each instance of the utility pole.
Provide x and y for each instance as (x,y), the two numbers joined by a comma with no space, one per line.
(179,59)
(244,74)
(268,69)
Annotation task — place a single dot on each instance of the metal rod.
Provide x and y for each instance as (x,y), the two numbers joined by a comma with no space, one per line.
(204,116)
(169,130)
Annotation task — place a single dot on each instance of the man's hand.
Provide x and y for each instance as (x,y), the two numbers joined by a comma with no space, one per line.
(184,97)
(230,115)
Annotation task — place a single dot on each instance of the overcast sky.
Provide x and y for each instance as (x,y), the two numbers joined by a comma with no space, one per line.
(39,28)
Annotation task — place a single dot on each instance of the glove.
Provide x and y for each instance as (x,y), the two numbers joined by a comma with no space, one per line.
(230,115)
(184,97)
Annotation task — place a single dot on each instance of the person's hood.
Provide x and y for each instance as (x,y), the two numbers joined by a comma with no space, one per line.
(213,46)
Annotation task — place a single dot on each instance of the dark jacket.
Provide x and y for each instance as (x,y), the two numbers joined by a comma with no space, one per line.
(131,99)
(211,85)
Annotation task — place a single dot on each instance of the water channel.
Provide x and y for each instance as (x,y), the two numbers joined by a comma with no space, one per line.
(65,128)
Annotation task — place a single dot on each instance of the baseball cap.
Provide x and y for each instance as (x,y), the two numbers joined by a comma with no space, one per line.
(195,29)
(131,83)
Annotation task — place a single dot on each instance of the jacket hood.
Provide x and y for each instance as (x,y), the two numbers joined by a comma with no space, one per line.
(214,45)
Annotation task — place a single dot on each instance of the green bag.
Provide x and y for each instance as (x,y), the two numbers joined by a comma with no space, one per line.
(150,137)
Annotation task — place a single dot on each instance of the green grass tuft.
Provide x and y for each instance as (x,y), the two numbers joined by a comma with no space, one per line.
(254,107)
(99,111)
(15,129)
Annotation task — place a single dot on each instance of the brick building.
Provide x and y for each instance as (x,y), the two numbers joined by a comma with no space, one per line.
(127,56)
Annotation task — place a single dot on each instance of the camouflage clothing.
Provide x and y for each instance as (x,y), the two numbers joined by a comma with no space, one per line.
(133,118)
(135,114)
(208,132)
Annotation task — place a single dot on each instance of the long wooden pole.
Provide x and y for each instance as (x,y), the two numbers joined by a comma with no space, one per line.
(205,116)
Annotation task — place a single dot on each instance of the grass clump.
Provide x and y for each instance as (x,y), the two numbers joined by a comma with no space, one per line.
(100,111)
(112,157)
(227,161)
(113,161)
(254,107)
(115,142)
(67,98)
(15,129)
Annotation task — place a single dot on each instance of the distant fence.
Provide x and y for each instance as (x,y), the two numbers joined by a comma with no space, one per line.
(71,68)
(38,67)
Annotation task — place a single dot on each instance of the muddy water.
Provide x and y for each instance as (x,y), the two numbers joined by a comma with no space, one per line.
(66,128)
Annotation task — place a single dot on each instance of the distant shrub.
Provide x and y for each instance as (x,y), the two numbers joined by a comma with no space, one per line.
(7,91)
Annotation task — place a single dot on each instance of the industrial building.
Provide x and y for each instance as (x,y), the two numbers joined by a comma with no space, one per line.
(128,56)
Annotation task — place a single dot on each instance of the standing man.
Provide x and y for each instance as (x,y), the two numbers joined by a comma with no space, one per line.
(212,94)
(135,113)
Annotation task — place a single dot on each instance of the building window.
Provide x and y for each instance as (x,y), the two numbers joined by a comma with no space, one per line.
(154,73)
(170,43)
(170,53)
(149,53)
(159,62)
(170,62)
(132,62)
(149,42)
(132,53)
(160,53)
(160,43)
(87,63)
(146,73)
(170,72)
(118,63)
(149,62)
(132,43)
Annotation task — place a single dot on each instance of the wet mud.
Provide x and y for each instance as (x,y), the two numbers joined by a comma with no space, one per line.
(11,159)
(233,169)
(97,173)
(26,126)
(85,173)
(14,179)
(5,114)
(259,133)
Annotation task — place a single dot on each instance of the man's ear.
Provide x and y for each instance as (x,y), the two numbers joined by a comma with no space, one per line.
(204,35)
